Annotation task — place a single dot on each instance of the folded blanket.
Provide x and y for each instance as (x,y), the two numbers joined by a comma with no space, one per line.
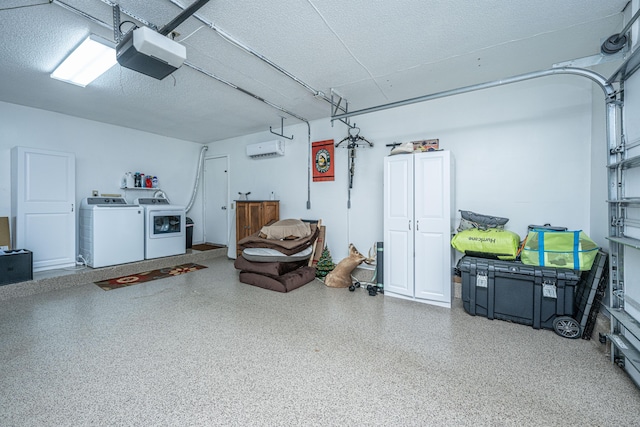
(273,255)
(284,283)
(270,268)
(286,229)
(287,247)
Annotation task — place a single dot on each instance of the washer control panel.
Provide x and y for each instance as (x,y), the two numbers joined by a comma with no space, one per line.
(109,201)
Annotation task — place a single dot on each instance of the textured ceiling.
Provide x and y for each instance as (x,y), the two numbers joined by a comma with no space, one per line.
(370,51)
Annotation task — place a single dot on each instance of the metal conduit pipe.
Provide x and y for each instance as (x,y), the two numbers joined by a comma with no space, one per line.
(187,63)
(246,92)
(248,49)
(219,79)
(316,93)
(597,78)
(83,14)
(309,167)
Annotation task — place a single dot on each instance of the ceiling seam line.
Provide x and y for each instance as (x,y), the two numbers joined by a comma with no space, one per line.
(246,92)
(229,38)
(472,52)
(187,63)
(347,48)
(82,14)
(482,49)
(512,41)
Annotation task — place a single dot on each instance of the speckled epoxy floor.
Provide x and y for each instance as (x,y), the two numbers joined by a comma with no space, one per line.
(204,349)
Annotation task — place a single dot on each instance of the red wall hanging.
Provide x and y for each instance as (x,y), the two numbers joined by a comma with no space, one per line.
(322,152)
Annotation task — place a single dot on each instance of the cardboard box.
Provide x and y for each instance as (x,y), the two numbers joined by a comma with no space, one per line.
(318,247)
(426,145)
(5,237)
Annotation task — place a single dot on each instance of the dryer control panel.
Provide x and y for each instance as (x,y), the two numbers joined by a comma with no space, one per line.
(152,201)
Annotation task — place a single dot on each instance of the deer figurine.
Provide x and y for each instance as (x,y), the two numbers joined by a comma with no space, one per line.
(340,277)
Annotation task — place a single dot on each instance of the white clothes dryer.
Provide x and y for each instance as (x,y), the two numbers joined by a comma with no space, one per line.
(164,228)
(111,231)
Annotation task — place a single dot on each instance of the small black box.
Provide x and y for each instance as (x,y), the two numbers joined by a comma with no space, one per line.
(16,266)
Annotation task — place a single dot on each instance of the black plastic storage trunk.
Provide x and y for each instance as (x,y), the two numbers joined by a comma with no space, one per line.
(510,290)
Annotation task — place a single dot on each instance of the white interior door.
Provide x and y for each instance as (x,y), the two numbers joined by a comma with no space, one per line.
(43,206)
(398,225)
(432,212)
(216,184)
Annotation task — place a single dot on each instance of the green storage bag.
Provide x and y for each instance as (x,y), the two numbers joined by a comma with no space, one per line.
(503,244)
(560,249)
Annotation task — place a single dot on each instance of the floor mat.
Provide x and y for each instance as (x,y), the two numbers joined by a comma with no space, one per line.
(134,279)
(206,247)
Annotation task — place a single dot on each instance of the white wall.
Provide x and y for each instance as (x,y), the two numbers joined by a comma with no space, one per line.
(103,154)
(522,151)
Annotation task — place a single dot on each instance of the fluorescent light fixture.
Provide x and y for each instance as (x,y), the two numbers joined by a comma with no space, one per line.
(87,62)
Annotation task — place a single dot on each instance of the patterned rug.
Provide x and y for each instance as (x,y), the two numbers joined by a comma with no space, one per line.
(134,279)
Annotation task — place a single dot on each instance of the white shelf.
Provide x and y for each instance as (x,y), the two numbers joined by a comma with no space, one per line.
(140,188)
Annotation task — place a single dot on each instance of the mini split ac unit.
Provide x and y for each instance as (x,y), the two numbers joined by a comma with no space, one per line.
(266,149)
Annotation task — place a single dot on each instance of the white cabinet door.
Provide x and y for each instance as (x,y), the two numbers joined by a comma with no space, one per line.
(432,212)
(43,206)
(398,225)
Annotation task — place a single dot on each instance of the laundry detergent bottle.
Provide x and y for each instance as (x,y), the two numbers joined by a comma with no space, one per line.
(127,180)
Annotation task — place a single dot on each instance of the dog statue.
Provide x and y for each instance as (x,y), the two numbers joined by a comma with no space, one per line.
(340,277)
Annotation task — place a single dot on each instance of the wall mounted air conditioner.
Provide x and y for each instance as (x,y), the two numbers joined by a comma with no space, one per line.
(266,149)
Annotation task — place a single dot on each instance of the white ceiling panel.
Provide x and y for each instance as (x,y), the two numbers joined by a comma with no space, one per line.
(373,52)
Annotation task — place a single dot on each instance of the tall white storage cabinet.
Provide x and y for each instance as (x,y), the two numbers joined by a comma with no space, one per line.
(418,206)
(43,197)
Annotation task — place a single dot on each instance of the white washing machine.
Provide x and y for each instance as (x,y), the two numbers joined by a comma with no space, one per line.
(164,229)
(111,231)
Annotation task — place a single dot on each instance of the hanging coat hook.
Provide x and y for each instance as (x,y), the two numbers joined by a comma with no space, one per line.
(354,132)
(281,130)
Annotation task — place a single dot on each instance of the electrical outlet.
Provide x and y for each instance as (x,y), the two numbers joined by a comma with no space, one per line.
(94,193)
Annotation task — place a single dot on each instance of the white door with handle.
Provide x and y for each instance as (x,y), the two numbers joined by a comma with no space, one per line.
(43,206)
(398,225)
(433,227)
(216,189)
